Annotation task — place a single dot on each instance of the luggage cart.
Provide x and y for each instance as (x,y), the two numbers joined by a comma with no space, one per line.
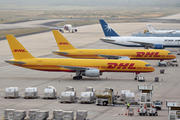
(131,112)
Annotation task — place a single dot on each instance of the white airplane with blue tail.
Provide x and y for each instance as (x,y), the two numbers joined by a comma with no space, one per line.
(147,42)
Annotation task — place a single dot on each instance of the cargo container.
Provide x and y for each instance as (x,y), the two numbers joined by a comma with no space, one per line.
(89,89)
(129,97)
(31,92)
(81,114)
(19,114)
(57,115)
(32,113)
(123,94)
(42,115)
(71,89)
(50,92)
(9,114)
(11,92)
(67,96)
(68,115)
(87,97)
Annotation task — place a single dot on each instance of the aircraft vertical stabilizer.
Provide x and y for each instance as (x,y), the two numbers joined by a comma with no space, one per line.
(108,31)
(62,42)
(151,28)
(18,50)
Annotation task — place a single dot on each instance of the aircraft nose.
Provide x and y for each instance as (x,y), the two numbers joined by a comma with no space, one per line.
(153,69)
(174,56)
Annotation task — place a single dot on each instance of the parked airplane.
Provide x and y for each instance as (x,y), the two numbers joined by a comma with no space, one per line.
(82,67)
(146,42)
(68,50)
(154,31)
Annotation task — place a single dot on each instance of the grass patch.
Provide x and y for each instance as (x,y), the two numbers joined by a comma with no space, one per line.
(21,31)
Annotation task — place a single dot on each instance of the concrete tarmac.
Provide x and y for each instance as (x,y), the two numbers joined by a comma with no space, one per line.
(41,45)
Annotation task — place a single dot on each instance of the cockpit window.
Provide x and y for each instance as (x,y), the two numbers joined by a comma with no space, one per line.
(147,65)
(170,53)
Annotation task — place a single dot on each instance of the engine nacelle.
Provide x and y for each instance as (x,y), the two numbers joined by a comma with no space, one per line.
(75,30)
(92,73)
(158,46)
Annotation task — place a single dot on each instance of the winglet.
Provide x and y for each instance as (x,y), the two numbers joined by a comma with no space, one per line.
(18,50)
(108,31)
(61,41)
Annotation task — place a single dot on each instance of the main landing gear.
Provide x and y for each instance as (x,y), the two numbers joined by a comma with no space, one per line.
(78,76)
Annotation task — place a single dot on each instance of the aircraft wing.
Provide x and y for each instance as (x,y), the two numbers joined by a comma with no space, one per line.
(64,53)
(170,31)
(55,28)
(73,28)
(143,43)
(76,68)
(114,57)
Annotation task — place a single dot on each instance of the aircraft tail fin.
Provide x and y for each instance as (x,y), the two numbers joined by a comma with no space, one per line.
(18,50)
(150,28)
(108,31)
(61,41)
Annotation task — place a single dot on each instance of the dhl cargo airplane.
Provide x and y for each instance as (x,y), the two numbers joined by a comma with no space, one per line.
(82,67)
(66,49)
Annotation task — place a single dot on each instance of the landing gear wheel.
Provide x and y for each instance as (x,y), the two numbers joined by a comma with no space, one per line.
(79,77)
(135,78)
(75,78)
(104,103)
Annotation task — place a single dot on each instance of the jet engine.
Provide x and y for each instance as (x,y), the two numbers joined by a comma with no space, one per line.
(158,46)
(92,73)
(60,30)
(75,30)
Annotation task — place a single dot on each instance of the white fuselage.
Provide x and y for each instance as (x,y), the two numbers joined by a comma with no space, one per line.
(164,32)
(132,41)
(67,27)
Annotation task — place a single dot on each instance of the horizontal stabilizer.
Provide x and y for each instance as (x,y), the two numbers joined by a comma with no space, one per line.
(16,62)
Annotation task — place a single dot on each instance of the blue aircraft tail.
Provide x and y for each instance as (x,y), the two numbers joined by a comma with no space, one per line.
(108,31)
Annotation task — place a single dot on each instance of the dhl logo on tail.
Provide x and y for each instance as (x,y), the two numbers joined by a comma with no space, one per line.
(19,50)
(63,43)
(148,54)
(120,66)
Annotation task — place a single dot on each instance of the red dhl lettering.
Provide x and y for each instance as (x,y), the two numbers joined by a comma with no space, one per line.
(120,66)
(63,43)
(148,54)
(112,65)
(19,50)
(156,54)
(131,66)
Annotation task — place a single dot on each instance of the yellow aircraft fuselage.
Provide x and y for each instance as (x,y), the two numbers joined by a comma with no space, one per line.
(142,54)
(68,50)
(54,64)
